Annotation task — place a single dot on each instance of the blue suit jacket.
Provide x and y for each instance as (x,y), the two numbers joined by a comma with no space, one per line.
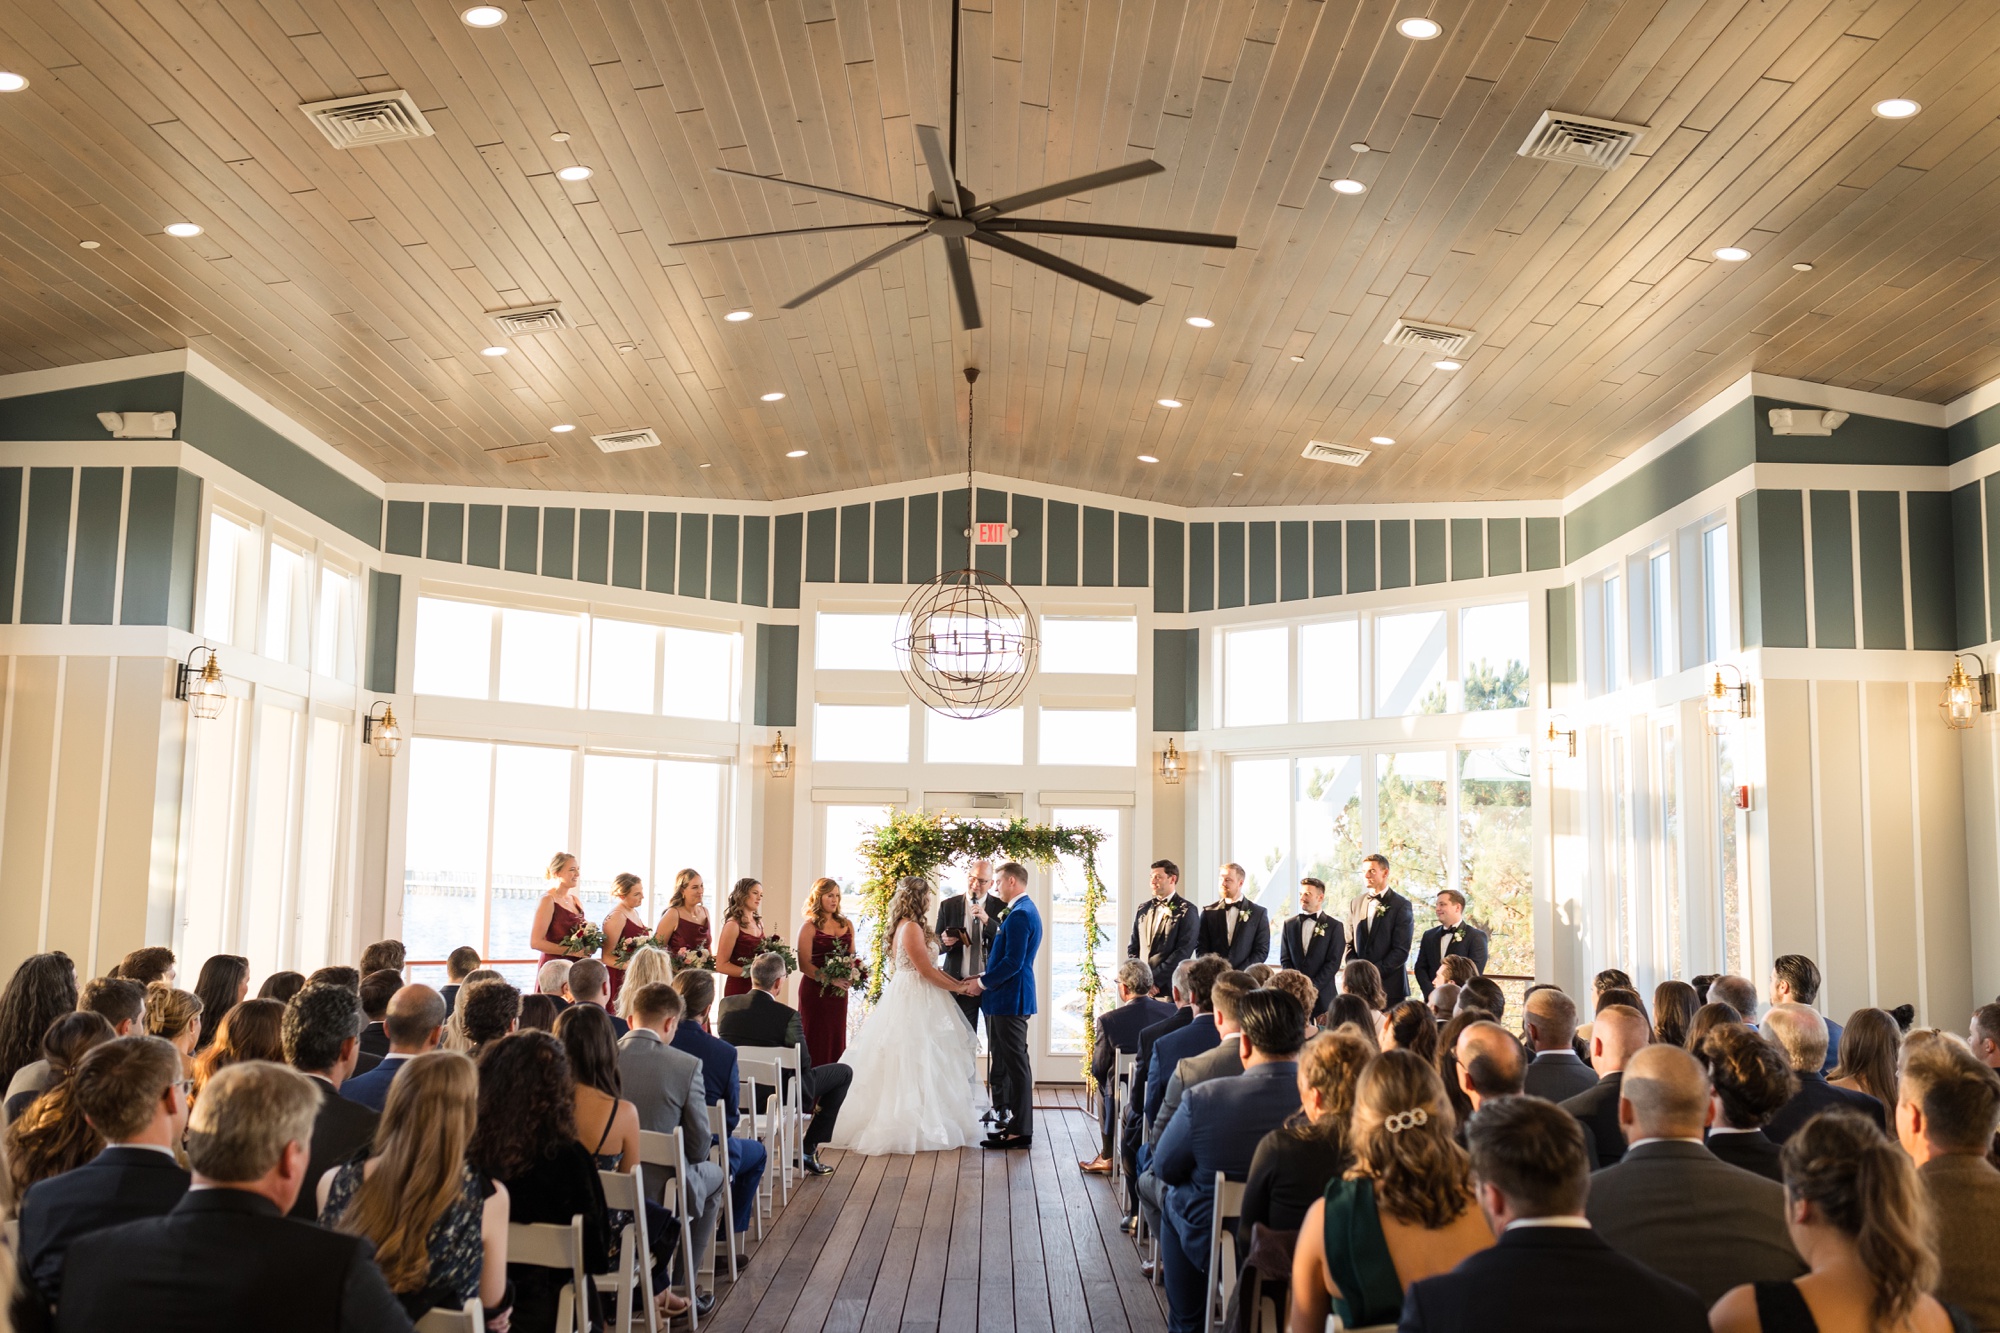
(718,1067)
(1009,977)
(1217,1128)
(372,1088)
(1169,1050)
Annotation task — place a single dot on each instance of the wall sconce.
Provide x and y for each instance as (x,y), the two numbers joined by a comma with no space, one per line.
(1562,743)
(202,686)
(781,758)
(382,732)
(1724,703)
(1966,695)
(1172,764)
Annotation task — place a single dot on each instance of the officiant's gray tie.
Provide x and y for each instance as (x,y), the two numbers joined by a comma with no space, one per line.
(975,935)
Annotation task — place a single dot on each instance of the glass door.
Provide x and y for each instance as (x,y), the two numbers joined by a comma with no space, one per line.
(1058,1045)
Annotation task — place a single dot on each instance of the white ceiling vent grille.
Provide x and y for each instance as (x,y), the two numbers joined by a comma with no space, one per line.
(547,317)
(367,120)
(1319,451)
(618,441)
(1439,338)
(1581,141)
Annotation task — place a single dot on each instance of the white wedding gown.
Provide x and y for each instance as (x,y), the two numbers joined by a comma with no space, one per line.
(916,1078)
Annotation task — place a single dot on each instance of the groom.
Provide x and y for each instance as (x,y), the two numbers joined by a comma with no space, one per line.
(1007,997)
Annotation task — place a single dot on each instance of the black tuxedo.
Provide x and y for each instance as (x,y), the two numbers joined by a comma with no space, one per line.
(1753,1152)
(951,917)
(1175,945)
(1319,958)
(225,1258)
(375,1040)
(1815,1094)
(760,1019)
(1551,1280)
(1384,940)
(1252,943)
(341,1130)
(1438,945)
(118,1185)
(1597,1107)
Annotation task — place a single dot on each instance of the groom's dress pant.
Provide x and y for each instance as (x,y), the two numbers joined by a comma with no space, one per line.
(1012,1075)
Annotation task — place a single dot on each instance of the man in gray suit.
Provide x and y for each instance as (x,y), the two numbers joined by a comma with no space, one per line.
(666,1085)
(1673,1205)
(1221,1062)
(1948,1107)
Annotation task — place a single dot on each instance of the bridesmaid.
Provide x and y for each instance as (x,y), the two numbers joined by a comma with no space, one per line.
(684,925)
(823,1009)
(628,892)
(560,911)
(742,936)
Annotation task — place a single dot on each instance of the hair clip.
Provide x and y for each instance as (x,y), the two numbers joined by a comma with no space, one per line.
(1399,1121)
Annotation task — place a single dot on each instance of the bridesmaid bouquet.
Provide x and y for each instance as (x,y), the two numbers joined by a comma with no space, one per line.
(628,949)
(583,940)
(698,958)
(784,951)
(841,972)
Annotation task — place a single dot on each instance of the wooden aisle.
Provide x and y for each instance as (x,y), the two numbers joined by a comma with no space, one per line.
(966,1240)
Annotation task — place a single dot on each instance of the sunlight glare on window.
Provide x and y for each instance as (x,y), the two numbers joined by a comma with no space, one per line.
(454,648)
(850,641)
(538,657)
(1092,736)
(1256,677)
(622,665)
(700,674)
(861,733)
(1330,671)
(284,600)
(1493,648)
(1094,645)
(993,739)
(333,651)
(1409,664)
(228,543)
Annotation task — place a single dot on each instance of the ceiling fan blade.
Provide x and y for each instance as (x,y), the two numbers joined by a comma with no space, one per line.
(826,189)
(961,281)
(935,157)
(1096,180)
(1111,230)
(795,231)
(860,266)
(1057,264)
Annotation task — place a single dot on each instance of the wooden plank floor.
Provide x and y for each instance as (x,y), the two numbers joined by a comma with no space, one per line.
(965,1240)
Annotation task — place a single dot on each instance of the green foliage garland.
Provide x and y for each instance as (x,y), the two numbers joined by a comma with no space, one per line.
(915,843)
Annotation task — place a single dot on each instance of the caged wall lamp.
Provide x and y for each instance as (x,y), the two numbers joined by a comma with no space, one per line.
(381,730)
(1966,696)
(201,686)
(1724,703)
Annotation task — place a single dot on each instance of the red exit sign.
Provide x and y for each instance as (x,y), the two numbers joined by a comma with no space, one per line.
(992,534)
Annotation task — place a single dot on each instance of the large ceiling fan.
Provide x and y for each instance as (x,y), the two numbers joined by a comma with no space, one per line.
(955,217)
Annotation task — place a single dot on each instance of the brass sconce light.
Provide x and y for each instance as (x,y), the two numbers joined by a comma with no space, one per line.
(201,686)
(381,730)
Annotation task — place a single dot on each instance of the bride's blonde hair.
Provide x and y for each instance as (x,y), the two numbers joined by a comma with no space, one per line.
(912,903)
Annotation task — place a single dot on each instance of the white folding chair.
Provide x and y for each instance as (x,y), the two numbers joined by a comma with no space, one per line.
(471,1319)
(546,1245)
(662,1156)
(762,1093)
(1221,1249)
(635,1251)
(789,1102)
(1120,1089)
(718,1153)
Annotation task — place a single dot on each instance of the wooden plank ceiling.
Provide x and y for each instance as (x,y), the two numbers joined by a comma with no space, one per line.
(353,288)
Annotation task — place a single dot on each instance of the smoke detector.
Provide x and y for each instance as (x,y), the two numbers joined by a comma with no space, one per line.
(620,441)
(1804,421)
(367,120)
(548,317)
(1580,141)
(1439,338)
(1319,451)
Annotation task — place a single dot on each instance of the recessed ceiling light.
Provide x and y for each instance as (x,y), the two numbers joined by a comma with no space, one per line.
(88,245)
(483,16)
(708,465)
(771,398)
(574,174)
(1236,474)
(1802,267)
(560,136)
(737,316)
(563,429)
(1201,321)
(628,347)
(1346,186)
(796,453)
(1380,439)
(11,83)
(493,351)
(1359,148)
(1896,108)
(1147,458)
(1732,254)
(1168,402)
(1420,30)
(183,229)
(1446,365)
(1298,358)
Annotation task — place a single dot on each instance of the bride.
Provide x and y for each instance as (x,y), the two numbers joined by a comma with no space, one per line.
(916,1082)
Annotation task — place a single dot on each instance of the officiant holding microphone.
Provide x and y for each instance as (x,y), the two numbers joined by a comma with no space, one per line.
(966,947)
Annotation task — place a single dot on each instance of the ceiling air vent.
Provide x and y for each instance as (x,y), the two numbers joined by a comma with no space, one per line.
(367,120)
(1581,141)
(1438,338)
(618,441)
(1319,451)
(544,318)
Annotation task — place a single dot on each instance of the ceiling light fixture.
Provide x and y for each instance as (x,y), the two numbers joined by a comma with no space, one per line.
(1802,267)
(574,174)
(1419,29)
(1447,365)
(796,453)
(483,16)
(1381,439)
(1896,108)
(560,136)
(1732,254)
(737,316)
(1346,185)
(1201,321)
(88,245)
(493,351)
(769,397)
(1169,402)
(1359,148)
(1298,358)
(183,229)
(1236,474)
(1147,458)
(11,83)
(563,429)
(628,347)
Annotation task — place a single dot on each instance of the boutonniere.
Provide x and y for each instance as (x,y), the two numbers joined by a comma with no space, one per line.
(1004,910)
(1318,929)
(1379,909)
(1458,934)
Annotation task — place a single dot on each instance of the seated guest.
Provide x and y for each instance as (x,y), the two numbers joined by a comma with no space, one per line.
(1353,1011)
(1859,1219)
(1457,969)
(1404,1210)
(1447,1061)
(1801,1033)
(52,1136)
(1294,1163)
(174,1016)
(153,963)
(377,988)
(1674,1004)
(1217,1128)
(1624,995)
(1411,1026)
(439,1226)
(1985,1034)
(1795,980)
(129,1089)
(1491,1064)
(1118,1034)
(538,1012)
(42,989)
(1738,993)
(647,967)
(1870,1046)
(1222,1060)
(1444,999)
(487,1011)
(1556,1073)
(322,1036)
(1362,978)
(1946,1116)
(1293,983)
(1482,993)
(1618,1032)
(414,1023)
(589,982)
(454,1026)
(337,974)
(1198,1036)
(123,1004)
(383,956)
(720,1085)
(1673,1205)
(761,1019)
(552,980)
(282,986)
(1706,1020)
(253,1030)
(1548,1271)
(227,1257)
(524,1138)
(1751,1079)
(1261,973)
(1142,1064)
(458,965)
(1611,978)
(223,983)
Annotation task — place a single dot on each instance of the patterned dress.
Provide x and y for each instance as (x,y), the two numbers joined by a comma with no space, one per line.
(745,949)
(822,1009)
(562,921)
(457,1252)
(630,930)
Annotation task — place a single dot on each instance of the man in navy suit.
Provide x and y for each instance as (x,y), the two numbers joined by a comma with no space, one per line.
(1549,1272)
(1217,1128)
(414,1022)
(1453,936)
(1383,925)
(1198,1037)
(1134,1110)
(1233,926)
(1165,928)
(1118,1034)
(1314,943)
(1006,991)
(720,1086)
(1801,1032)
(129,1090)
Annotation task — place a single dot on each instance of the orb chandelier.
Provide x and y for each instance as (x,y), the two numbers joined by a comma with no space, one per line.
(967,639)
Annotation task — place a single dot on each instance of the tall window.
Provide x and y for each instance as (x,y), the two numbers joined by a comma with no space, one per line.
(1617,847)
(1093,736)
(538,651)
(334,643)
(285,605)
(1260,832)
(1669,788)
(848,641)
(319,854)
(862,733)
(1727,875)
(1256,676)
(1066,887)
(1330,671)
(1496,851)
(994,739)
(1410,664)
(845,828)
(1493,645)
(1090,645)
(1614,633)
(230,590)
(1716,638)
(1660,580)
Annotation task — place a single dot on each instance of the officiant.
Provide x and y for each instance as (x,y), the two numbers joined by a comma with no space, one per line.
(965,948)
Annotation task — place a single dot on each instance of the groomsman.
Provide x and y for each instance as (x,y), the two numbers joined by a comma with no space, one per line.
(1165,928)
(1452,935)
(966,948)
(1384,922)
(1233,926)
(1314,943)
